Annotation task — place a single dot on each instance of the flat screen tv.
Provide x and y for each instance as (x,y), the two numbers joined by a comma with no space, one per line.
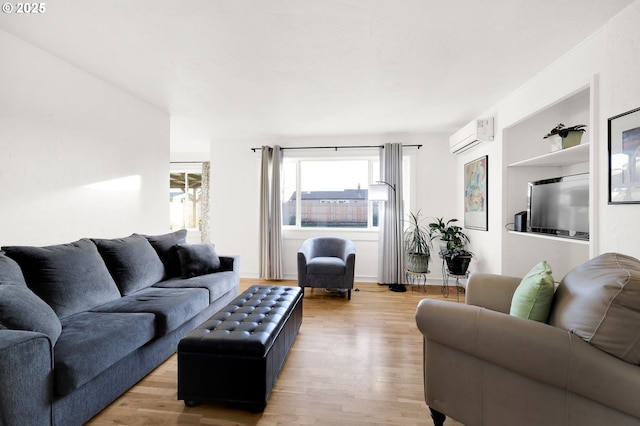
(560,206)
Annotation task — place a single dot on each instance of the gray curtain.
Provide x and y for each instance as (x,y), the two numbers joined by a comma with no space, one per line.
(391,254)
(205,224)
(271,214)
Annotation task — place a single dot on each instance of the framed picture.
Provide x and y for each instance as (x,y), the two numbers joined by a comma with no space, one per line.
(475,194)
(624,158)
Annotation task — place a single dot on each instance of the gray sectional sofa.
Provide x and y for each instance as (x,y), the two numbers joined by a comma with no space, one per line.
(81,323)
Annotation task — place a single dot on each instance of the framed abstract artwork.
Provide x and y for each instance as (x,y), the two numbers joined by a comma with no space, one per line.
(624,158)
(476,197)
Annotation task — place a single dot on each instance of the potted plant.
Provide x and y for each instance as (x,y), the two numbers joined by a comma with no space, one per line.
(453,246)
(417,244)
(562,137)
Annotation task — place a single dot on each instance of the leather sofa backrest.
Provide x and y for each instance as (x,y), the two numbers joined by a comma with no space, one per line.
(599,301)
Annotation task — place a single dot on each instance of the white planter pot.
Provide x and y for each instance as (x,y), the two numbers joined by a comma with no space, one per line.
(417,262)
(557,142)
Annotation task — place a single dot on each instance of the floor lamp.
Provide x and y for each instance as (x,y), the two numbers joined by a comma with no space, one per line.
(379,191)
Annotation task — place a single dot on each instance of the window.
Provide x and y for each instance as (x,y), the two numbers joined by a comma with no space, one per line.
(185,196)
(329,193)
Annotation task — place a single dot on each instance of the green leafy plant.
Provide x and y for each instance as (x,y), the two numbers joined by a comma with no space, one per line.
(454,239)
(417,238)
(417,244)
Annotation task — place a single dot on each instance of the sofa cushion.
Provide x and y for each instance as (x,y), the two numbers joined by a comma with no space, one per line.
(21,309)
(132,262)
(326,266)
(10,271)
(71,277)
(172,307)
(92,342)
(217,283)
(165,246)
(600,302)
(534,295)
(197,259)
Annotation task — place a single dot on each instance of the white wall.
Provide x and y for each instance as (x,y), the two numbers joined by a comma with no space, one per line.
(63,129)
(619,225)
(482,243)
(235,182)
(611,59)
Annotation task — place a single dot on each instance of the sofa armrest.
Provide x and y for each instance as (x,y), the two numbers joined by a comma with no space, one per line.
(491,291)
(349,257)
(305,253)
(230,263)
(534,350)
(528,347)
(26,377)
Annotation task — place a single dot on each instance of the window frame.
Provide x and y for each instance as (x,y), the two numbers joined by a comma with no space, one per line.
(373,159)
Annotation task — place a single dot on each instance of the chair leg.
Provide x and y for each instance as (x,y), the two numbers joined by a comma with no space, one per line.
(349,294)
(438,417)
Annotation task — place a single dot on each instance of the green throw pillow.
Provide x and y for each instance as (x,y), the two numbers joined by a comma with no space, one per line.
(532,299)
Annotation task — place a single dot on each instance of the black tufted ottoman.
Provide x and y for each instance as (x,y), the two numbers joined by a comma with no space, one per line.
(235,356)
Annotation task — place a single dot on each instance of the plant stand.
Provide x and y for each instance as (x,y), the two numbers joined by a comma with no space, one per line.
(416,278)
(445,281)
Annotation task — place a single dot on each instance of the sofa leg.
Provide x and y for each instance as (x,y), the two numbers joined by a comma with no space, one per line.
(349,294)
(438,417)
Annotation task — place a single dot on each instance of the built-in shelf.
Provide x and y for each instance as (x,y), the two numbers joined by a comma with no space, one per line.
(550,237)
(526,161)
(564,157)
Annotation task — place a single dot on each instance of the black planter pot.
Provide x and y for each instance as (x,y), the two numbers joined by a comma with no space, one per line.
(458,265)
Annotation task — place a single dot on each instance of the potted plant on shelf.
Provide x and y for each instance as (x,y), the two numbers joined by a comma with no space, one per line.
(453,247)
(562,137)
(417,244)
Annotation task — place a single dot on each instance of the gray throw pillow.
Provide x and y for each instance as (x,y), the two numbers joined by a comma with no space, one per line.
(21,309)
(132,262)
(70,278)
(197,259)
(165,246)
(10,271)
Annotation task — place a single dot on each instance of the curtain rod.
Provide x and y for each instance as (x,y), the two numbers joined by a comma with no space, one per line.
(338,147)
(187,162)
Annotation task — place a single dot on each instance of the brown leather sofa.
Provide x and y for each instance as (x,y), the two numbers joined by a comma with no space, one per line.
(483,366)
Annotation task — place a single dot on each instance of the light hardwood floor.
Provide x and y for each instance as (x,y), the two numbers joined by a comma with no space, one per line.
(356,362)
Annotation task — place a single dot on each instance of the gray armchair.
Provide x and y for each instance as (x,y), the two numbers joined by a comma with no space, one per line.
(327,262)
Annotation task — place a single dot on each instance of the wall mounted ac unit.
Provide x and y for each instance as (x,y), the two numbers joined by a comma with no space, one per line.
(471,135)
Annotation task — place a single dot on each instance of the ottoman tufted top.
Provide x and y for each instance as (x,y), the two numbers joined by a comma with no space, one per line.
(246,326)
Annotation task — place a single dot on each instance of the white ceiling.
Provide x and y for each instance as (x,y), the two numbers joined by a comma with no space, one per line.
(229,69)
